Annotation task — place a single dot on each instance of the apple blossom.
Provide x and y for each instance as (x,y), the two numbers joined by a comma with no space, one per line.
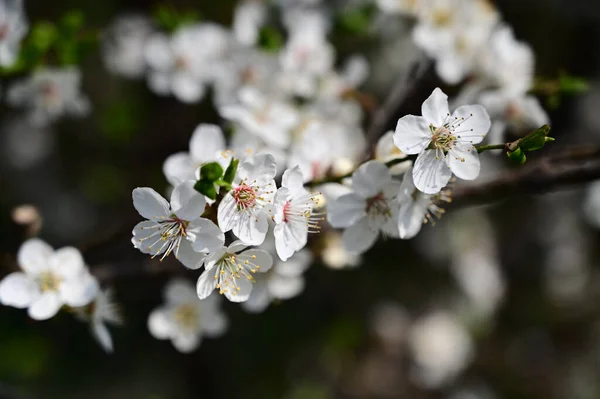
(176,227)
(13,28)
(184,319)
(246,208)
(49,279)
(444,142)
(231,270)
(369,209)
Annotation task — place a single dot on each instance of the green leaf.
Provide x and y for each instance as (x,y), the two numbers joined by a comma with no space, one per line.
(224,184)
(231,170)
(211,171)
(357,20)
(72,22)
(270,39)
(536,139)
(207,188)
(517,156)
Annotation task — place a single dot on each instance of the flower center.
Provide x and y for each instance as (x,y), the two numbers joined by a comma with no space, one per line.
(443,138)
(169,234)
(244,196)
(48,282)
(233,267)
(186,316)
(442,17)
(378,205)
(300,211)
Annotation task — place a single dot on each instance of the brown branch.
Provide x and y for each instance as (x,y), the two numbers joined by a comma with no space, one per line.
(573,166)
(386,114)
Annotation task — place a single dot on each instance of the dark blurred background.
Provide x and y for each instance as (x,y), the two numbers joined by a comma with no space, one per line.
(342,338)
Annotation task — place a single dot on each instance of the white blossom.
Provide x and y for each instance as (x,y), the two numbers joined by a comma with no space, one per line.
(248,18)
(444,142)
(13,27)
(100,312)
(184,63)
(184,319)
(400,7)
(284,281)
(176,227)
(123,45)
(206,143)
(49,94)
(49,279)
(247,208)
(231,270)
(416,207)
(293,215)
(270,119)
(368,210)
(334,254)
(453,32)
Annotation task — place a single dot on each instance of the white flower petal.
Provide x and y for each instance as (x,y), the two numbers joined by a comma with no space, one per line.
(160,324)
(206,141)
(179,291)
(435,108)
(187,203)
(187,88)
(45,306)
(102,335)
(289,238)
(260,298)
(18,290)
(79,291)
(68,262)
(285,287)
(245,289)
(206,284)
(359,237)
(370,179)
(296,265)
(188,257)
(150,204)
(411,216)
(473,123)
(293,180)
(251,229)
(258,257)
(236,246)
(207,235)
(227,214)
(430,173)
(412,134)
(145,234)
(261,167)
(158,52)
(179,167)
(34,255)
(186,342)
(345,210)
(464,162)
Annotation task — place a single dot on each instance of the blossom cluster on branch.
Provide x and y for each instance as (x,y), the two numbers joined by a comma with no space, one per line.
(288,158)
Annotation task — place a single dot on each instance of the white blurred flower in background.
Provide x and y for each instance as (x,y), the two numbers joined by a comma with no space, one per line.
(103,310)
(49,279)
(184,319)
(48,94)
(249,16)
(13,28)
(441,348)
(123,45)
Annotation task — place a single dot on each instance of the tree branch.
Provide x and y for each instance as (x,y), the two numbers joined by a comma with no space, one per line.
(572,166)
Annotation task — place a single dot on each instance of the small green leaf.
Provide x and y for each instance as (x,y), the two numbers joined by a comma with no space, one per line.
(207,188)
(517,156)
(231,170)
(270,39)
(535,140)
(222,183)
(211,171)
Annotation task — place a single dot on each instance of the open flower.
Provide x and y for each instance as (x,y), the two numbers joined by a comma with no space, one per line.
(49,280)
(205,144)
(416,207)
(246,208)
(101,311)
(270,119)
(184,319)
(49,94)
(444,142)
(231,270)
(369,209)
(293,214)
(177,227)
